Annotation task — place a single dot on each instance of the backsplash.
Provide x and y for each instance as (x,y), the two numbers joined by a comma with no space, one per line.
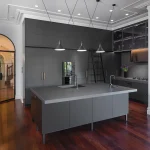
(135,69)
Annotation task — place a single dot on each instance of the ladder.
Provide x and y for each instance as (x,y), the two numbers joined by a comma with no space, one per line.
(95,67)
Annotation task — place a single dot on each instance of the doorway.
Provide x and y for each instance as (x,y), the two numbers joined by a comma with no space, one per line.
(7,69)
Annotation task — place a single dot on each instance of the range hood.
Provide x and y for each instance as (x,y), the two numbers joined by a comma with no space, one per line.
(139,55)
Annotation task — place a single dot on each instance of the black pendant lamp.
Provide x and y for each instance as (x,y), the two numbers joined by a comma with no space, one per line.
(59,47)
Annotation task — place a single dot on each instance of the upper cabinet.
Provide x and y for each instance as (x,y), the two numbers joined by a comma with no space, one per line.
(131,37)
(118,35)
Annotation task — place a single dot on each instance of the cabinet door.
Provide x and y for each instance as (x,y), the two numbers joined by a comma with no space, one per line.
(52,68)
(80,112)
(120,105)
(33,71)
(102,108)
(34,67)
(55,117)
(142,93)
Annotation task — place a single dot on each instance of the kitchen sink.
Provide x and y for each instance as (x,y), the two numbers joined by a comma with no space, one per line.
(70,86)
(79,86)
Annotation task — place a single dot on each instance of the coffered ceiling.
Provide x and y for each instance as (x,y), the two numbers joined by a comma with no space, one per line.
(125,11)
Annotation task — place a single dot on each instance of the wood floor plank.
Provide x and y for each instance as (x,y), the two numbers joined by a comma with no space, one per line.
(18,132)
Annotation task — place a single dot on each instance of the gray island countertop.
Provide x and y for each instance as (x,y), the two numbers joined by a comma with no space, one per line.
(55,94)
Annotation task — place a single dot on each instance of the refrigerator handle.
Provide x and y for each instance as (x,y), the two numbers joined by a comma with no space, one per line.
(44,76)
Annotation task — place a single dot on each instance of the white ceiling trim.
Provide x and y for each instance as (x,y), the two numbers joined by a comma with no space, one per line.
(130,21)
(53,14)
(145,4)
(34,13)
(58,19)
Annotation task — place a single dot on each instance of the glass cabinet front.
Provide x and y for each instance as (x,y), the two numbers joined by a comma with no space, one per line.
(118,46)
(139,29)
(128,32)
(118,35)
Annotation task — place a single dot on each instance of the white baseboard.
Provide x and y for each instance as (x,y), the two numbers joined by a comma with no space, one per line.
(18,97)
(148,110)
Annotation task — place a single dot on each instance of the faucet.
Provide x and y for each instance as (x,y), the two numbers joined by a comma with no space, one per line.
(110,83)
(76,81)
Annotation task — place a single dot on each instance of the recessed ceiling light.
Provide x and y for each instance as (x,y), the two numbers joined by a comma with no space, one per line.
(97,17)
(111,20)
(59,10)
(79,14)
(111,10)
(36,6)
(127,14)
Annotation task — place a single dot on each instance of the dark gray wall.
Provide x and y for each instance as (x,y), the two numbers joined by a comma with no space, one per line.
(47,34)
(135,69)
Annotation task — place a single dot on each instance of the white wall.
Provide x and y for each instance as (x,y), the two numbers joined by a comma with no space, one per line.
(14,32)
(148,110)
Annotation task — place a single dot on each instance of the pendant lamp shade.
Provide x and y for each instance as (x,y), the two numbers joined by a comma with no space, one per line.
(100,49)
(59,47)
(81,48)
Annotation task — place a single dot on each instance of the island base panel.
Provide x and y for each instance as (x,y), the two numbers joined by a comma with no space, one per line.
(64,115)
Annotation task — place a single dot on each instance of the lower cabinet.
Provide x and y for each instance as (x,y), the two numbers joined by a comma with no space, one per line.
(120,105)
(108,107)
(55,117)
(59,116)
(142,90)
(80,112)
(102,108)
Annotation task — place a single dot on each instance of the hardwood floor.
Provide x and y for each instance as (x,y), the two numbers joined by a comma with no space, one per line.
(7,93)
(18,132)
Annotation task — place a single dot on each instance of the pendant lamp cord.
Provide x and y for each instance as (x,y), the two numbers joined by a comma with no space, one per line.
(94,12)
(88,13)
(71,14)
(110,17)
(46,11)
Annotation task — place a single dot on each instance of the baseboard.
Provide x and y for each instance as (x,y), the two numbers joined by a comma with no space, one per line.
(148,111)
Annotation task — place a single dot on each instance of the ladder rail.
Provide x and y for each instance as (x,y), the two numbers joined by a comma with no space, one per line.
(95,67)
(102,68)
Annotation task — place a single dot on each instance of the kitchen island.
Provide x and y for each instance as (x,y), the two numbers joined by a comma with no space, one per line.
(56,108)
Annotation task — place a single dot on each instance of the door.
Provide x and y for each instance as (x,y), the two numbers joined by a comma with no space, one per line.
(120,105)
(80,112)
(52,68)
(102,108)
(34,71)
(7,76)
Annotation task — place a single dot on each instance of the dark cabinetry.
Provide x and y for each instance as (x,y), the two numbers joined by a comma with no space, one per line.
(132,37)
(142,90)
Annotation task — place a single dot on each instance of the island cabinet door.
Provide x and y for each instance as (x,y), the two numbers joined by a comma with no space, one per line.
(55,117)
(102,108)
(80,112)
(120,105)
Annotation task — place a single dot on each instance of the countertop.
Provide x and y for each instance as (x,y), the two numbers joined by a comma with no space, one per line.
(54,94)
(132,80)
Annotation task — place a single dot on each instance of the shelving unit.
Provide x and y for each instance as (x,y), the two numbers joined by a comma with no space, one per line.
(131,37)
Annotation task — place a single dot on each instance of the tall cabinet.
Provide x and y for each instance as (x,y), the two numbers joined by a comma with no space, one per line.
(43,67)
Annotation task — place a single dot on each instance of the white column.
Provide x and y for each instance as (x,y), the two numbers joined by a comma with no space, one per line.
(148,109)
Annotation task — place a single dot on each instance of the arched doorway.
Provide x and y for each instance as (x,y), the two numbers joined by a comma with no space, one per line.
(7,69)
